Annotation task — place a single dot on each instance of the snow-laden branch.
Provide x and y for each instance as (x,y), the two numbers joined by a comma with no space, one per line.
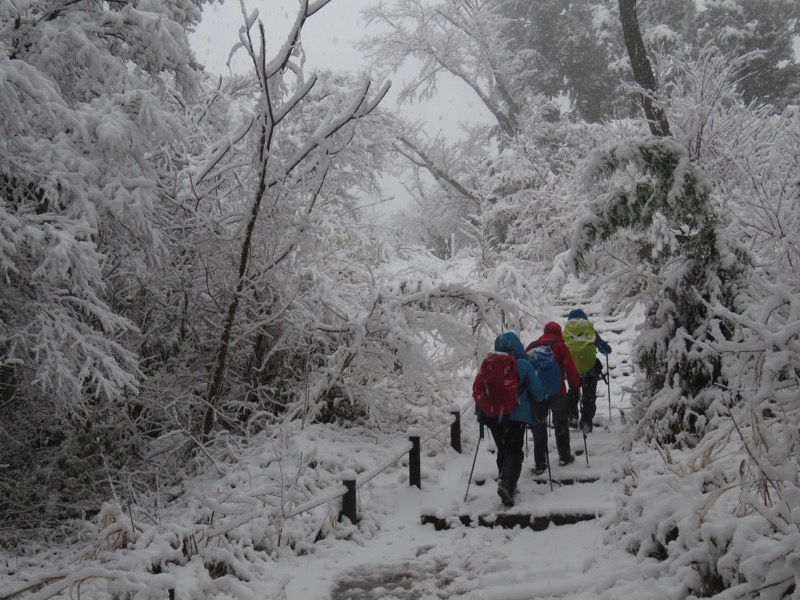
(430,165)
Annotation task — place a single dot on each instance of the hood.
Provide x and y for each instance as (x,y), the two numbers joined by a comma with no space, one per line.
(577,313)
(509,342)
(552,328)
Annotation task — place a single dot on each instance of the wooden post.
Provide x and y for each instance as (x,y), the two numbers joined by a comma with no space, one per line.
(413,462)
(455,430)
(349,501)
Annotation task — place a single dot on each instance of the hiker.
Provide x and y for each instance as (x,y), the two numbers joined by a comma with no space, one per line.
(508,431)
(557,403)
(583,343)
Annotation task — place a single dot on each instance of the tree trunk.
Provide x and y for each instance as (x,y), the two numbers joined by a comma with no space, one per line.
(642,71)
(269,120)
(220,361)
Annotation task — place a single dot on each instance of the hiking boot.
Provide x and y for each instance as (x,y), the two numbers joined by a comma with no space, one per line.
(563,462)
(540,470)
(586,427)
(506,495)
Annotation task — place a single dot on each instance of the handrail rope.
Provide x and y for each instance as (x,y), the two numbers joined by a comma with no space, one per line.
(330,496)
(369,475)
(376,470)
(463,410)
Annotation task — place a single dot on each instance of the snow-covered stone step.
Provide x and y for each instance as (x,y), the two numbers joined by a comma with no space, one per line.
(508,520)
(566,480)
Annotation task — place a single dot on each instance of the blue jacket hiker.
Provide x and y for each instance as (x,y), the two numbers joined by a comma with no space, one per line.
(584,343)
(509,432)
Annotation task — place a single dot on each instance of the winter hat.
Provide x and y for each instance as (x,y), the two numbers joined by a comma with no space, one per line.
(553,328)
(577,313)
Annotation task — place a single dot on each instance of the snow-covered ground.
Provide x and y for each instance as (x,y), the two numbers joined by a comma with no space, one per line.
(406,559)
(390,553)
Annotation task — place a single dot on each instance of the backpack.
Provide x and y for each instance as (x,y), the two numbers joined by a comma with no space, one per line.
(495,387)
(579,336)
(547,369)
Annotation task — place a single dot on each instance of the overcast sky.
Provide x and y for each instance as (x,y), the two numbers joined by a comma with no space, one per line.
(328,36)
(328,39)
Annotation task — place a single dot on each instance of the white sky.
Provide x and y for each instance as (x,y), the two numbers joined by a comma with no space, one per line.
(328,38)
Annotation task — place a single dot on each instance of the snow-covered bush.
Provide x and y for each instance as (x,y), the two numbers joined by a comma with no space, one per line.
(241,509)
(689,262)
(720,519)
(90,94)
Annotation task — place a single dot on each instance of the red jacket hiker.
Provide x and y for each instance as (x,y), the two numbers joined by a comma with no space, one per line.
(552,333)
(557,404)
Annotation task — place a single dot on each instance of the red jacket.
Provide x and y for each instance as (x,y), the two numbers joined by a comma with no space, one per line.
(552,333)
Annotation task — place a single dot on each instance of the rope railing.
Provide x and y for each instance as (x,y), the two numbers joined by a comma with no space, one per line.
(350,482)
(413,449)
(330,496)
(377,470)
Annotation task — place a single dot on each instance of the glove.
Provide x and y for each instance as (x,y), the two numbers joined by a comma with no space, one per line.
(603,347)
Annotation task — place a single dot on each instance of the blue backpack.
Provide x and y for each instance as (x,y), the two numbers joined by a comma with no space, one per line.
(546,367)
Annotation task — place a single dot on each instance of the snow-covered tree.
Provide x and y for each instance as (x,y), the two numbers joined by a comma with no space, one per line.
(571,47)
(763,32)
(478,189)
(294,171)
(688,261)
(450,38)
(741,466)
(90,94)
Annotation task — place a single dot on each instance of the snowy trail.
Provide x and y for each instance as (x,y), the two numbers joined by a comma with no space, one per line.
(406,559)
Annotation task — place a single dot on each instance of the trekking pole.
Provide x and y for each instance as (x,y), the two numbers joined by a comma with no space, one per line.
(472,470)
(608,389)
(585,450)
(527,429)
(547,452)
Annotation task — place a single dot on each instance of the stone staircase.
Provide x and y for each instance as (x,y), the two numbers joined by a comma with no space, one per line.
(573,496)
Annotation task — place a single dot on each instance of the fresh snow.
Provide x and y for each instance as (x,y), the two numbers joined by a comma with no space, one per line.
(255,519)
(406,559)
(389,553)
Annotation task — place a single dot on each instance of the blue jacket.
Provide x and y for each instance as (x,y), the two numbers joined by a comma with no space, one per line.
(602,346)
(529,388)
